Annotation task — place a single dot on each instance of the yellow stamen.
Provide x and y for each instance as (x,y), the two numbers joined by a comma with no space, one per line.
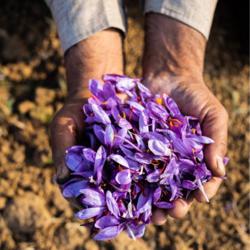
(173,122)
(193,130)
(159,100)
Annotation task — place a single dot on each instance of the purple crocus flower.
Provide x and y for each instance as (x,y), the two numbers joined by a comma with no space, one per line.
(144,154)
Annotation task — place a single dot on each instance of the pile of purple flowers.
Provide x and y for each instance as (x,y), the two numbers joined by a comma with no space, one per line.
(140,153)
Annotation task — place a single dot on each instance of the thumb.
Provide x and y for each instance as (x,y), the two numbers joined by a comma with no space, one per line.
(215,126)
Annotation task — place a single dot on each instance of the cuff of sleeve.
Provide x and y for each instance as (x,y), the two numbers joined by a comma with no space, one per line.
(195,13)
(77,20)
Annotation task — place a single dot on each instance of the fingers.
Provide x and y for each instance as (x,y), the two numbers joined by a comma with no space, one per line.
(215,126)
(180,209)
(210,188)
(159,216)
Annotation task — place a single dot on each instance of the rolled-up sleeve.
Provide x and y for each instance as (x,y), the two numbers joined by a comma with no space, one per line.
(79,19)
(195,13)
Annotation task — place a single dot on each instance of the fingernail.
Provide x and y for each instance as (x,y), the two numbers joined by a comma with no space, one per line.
(221,166)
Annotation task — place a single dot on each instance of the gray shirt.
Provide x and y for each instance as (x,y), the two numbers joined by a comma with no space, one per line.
(78,19)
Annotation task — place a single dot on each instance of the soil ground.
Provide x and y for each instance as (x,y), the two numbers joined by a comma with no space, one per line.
(33,214)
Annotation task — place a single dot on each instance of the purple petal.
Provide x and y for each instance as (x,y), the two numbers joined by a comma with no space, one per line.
(157,111)
(125,84)
(73,158)
(120,136)
(164,204)
(144,201)
(171,105)
(112,204)
(144,90)
(141,158)
(143,123)
(109,135)
(190,185)
(108,91)
(123,123)
(89,154)
(139,142)
(135,105)
(174,190)
(108,233)
(201,139)
(225,160)
(126,151)
(123,177)
(99,133)
(158,148)
(72,189)
(106,221)
(99,163)
(154,176)
(136,231)
(96,89)
(157,194)
(92,197)
(119,159)
(88,213)
(100,115)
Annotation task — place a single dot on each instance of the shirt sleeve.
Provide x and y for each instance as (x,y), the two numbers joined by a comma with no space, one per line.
(78,19)
(195,13)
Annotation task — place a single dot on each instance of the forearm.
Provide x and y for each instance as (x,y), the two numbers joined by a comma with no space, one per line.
(91,58)
(172,48)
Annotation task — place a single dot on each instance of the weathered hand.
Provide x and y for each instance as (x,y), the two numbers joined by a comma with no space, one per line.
(195,99)
(66,130)
(86,60)
(173,64)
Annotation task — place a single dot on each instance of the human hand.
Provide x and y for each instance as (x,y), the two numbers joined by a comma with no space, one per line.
(173,64)
(86,60)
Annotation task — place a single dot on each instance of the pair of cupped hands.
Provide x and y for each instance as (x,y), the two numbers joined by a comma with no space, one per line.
(173,64)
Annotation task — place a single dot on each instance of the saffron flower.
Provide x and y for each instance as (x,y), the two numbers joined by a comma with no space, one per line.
(140,153)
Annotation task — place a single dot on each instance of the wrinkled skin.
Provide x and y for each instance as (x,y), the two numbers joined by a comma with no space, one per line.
(173,63)
(176,68)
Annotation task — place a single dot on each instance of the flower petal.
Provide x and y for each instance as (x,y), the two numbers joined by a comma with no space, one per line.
(136,231)
(135,105)
(99,163)
(100,115)
(106,221)
(171,105)
(89,154)
(123,177)
(112,204)
(144,201)
(164,204)
(88,213)
(92,197)
(143,123)
(108,233)
(123,123)
(96,89)
(74,159)
(99,133)
(119,159)
(72,189)
(154,176)
(158,148)
(125,84)
(109,135)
